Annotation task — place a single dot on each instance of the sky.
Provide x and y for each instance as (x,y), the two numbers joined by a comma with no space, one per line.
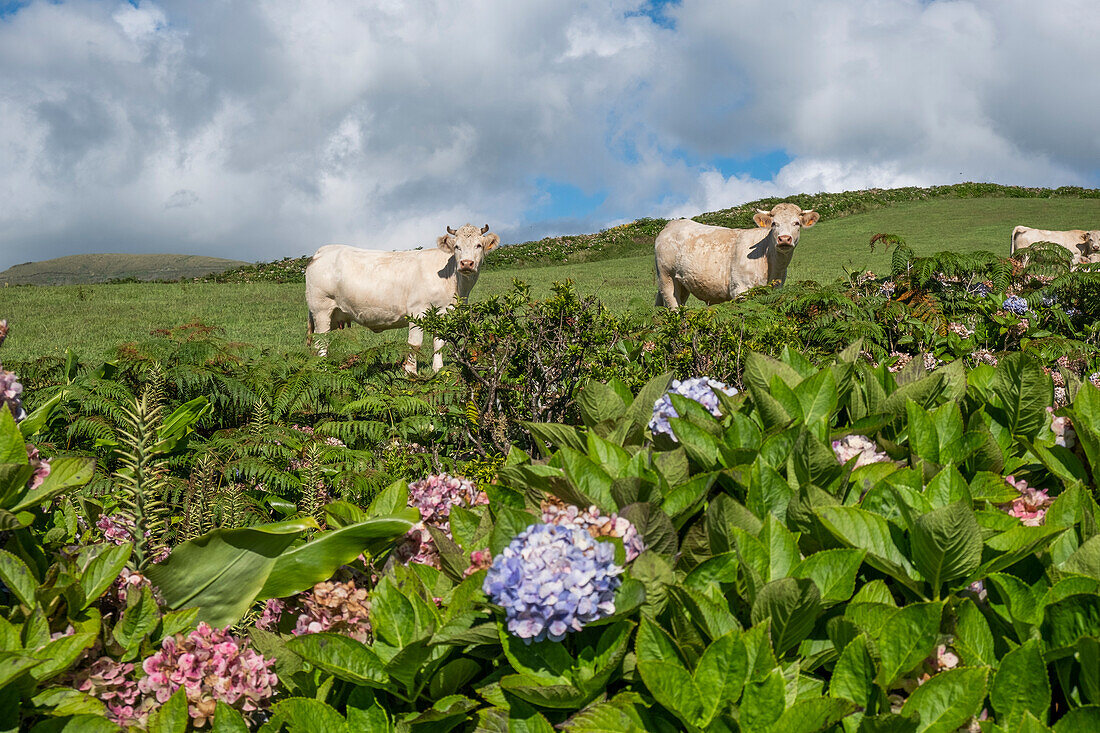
(258,129)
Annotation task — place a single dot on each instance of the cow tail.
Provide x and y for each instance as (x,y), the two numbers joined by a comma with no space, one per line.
(1012,243)
(309,329)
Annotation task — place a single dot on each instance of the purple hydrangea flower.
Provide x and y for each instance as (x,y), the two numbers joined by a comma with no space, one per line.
(703,390)
(433,497)
(551,580)
(1015,304)
(10,391)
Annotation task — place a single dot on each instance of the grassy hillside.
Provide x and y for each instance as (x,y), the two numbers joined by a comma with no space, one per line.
(94,320)
(98,268)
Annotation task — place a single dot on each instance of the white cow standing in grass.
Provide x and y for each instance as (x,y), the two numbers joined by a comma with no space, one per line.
(1080,243)
(382,290)
(715,264)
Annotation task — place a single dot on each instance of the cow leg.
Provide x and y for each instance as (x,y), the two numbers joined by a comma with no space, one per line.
(437,354)
(681,294)
(666,291)
(320,323)
(416,337)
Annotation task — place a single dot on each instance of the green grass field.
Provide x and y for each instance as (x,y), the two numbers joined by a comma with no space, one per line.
(97,268)
(95,319)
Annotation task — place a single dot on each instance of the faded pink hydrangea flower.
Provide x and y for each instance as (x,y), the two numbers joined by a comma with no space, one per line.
(591,520)
(10,391)
(433,497)
(863,449)
(40,465)
(110,682)
(1064,434)
(479,560)
(902,361)
(942,659)
(960,330)
(1031,506)
(272,614)
(118,528)
(337,607)
(984,356)
(210,665)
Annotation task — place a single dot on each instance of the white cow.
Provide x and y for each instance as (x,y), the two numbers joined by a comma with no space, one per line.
(381,290)
(1078,242)
(715,264)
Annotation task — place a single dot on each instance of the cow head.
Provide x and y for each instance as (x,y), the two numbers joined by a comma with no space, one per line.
(469,244)
(1092,242)
(786,221)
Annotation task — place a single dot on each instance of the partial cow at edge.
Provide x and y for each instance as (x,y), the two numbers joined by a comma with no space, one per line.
(382,290)
(716,264)
(1082,244)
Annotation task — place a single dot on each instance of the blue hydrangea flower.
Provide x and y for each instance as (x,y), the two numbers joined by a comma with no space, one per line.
(701,389)
(1015,304)
(551,580)
(980,290)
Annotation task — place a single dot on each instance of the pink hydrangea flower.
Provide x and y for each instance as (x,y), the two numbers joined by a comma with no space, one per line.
(110,682)
(337,607)
(1031,505)
(591,520)
(863,449)
(433,497)
(40,465)
(210,665)
(117,528)
(479,560)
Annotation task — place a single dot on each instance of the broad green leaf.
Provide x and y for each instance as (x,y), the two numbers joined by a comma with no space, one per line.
(304,715)
(588,477)
(1024,391)
(171,717)
(907,638)
(1085,560)
(1085,719)
(223,571)
(103,570)
(1067,620)
(228,720)
(541,692)
(763,702)
(672,686)
(547,661)
(391,499)
(13,664)
(556,434)
(973,639)
(949,699)
(854,674)
(17,577)
(792,605)
(812,715)
(138,621)
(1021,684)
(600,406)
(863,530)
(721,673)
(833,571)
(13,449)
(302,567)
(946,544)
(66,472)
(342,656)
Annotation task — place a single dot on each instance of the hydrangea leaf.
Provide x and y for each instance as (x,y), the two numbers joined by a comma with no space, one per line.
(102,571)
(1021,683)
(1067,620)
(946,544)
(305,715)
(908,636)
(833,571)
(764,701)
(948,700)
(854,674)
(973,638)
(228,719)
(792,605)
(346,658)
(812,715)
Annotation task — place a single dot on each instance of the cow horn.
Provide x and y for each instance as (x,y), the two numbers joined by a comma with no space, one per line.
(451,231)
(763,211)
(484,228)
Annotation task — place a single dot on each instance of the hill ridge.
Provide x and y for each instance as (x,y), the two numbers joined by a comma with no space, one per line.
(83,269)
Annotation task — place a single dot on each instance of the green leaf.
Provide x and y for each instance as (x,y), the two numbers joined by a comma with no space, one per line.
(304,566)
(17,577)
(1085,560)
(973,639)
(36,419)
(342,656)
(833,571)
(103,570)
(1085,719)
(854,674)
(556,434)
(721,674)
(1067,620)
(223,571)
(907,638)
(1021,684)
(948,700)
(171,717)
(14,664)
(588,477)
(545,660)
(304,715)
(863,530)
(946,544)
(654,643)
(654,526)
(600,406)
(793,605)
(13,449)
(1024,391)
(138,621)
(228,719)
(672,686)
(66,472)
(390,500)
(764,701)
(812,715)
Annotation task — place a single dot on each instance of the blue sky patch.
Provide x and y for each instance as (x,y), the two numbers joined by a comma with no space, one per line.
(560,200)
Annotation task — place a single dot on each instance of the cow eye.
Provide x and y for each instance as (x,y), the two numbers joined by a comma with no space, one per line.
(479,246)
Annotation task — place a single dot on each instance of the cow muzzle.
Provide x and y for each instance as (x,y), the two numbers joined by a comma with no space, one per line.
(785,241)
(466,266)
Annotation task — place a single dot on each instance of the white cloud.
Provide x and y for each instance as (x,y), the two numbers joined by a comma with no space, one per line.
(259,130)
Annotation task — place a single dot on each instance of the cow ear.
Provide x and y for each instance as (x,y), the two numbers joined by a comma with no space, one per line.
(445,243)
(809,217)
(762,219)
(490,241)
